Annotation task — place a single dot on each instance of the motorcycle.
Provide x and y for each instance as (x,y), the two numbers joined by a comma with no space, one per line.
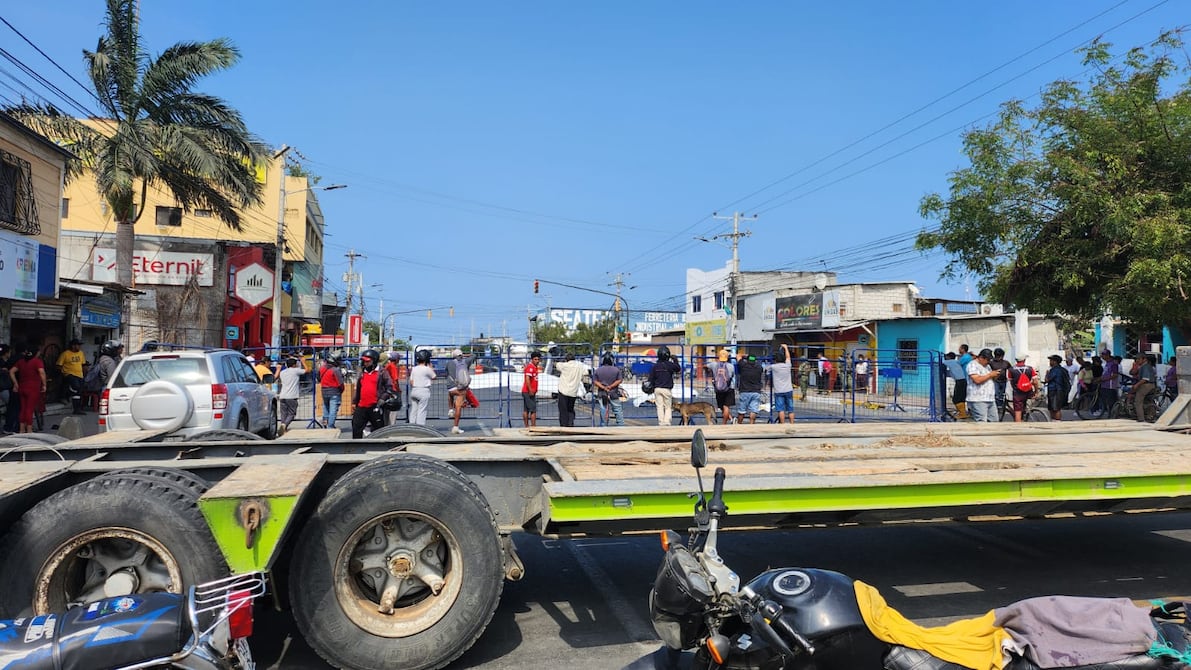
(205,629)
(794,618)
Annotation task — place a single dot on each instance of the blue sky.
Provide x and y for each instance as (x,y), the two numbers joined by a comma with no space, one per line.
(488,144)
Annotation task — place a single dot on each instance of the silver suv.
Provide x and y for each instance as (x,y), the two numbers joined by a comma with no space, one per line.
(187,392)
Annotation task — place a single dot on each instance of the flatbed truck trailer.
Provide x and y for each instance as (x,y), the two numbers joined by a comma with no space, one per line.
(392,553)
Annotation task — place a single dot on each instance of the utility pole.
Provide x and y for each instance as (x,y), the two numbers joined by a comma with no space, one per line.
(350,277)
(619,283)
(734,275)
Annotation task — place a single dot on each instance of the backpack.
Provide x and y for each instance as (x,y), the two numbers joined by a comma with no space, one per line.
(92,380)
(723,380)
(1025,380)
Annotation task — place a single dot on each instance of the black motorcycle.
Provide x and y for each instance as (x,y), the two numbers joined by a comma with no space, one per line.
(793,618)
(205,629)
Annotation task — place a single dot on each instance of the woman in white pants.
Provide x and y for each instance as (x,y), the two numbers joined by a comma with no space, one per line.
(420,378)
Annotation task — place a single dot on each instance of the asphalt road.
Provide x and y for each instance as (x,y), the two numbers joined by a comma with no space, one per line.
(583,601)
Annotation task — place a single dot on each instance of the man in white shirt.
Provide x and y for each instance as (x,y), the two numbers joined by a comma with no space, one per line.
(982,392)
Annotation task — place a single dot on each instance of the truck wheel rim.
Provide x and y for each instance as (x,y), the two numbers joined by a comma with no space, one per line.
(101,563)
(399,574)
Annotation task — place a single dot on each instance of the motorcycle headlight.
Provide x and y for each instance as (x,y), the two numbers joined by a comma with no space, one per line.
(678,599)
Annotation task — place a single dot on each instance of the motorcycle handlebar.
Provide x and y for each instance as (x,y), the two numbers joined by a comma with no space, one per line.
(766,631)
(716,505)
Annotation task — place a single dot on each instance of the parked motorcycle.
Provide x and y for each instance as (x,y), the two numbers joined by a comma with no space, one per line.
(790,618)
(205,629)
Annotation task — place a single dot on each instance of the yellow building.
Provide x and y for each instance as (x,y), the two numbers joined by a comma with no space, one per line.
(199,282)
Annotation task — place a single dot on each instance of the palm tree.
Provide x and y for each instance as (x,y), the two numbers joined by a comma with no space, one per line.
(156,130)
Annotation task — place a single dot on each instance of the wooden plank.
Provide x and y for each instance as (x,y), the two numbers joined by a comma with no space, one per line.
(265,476)
(17,477)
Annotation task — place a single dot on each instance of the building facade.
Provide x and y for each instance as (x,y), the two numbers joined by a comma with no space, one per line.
(196,281)
(33,310)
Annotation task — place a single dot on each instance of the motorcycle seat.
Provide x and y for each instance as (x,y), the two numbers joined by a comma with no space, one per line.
(108,633)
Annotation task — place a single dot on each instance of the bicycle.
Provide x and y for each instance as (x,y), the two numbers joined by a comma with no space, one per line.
(1125,408)
(1035,409)
(1087,404)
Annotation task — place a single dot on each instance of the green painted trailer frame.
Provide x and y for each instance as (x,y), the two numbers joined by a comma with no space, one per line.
(607,481)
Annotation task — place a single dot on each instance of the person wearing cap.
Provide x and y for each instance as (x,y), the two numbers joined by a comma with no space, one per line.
(723,375)
(70,364)
(750,379)
(1020,397)
(459,375)
(982,392)
(1058,384)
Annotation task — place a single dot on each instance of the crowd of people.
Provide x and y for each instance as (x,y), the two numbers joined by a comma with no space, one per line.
(986,385)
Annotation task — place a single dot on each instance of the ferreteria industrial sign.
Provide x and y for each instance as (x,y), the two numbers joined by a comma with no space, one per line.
(161,268)
(639,322)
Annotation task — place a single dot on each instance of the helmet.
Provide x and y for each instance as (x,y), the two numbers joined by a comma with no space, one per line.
(422,356)
(372,354)
(110,348)
(608,359)
(663,353)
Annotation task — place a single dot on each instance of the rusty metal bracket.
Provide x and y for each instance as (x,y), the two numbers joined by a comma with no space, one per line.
(252,513)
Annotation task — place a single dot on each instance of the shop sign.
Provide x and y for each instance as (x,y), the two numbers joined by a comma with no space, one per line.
(156,268)
(18,268)
(254,284)
(831,309)
(800,311)
(707,332)
(99,313)
(639,322)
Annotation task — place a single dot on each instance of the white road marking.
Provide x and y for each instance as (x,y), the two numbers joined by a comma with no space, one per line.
(939,589)
(641,632)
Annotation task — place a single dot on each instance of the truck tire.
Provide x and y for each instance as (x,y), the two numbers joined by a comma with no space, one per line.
(407,529)
(189,482)
(222,435)
(129,533)
(405,430)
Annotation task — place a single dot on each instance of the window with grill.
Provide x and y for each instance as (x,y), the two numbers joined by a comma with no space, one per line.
(696,303)
(18,207)
(740,309)
(169,216)
(719,299)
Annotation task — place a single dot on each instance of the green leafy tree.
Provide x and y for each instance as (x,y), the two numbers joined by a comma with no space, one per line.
(155,129)
(1082,204)
(593,334)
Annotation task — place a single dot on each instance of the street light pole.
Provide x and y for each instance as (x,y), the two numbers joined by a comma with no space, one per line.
(279,261)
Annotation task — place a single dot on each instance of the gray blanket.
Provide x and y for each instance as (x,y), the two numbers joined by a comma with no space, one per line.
(1066,631)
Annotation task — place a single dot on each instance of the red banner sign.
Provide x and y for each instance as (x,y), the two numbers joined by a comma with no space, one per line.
(355,328)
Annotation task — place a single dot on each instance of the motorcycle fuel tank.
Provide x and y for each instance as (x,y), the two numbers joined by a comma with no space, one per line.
(821,605)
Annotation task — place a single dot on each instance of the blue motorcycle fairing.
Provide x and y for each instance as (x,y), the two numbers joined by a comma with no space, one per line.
(105,634)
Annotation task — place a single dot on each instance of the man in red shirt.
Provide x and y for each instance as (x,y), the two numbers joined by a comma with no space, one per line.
(372,389)
(529,390)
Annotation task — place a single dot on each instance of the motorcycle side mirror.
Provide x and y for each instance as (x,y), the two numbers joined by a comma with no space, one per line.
(698,449)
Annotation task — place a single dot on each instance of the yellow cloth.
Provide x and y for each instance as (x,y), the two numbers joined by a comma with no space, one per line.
(972,643)
(71,363)
(262,370)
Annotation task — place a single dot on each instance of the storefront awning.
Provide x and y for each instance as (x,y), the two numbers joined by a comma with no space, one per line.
(93,289)
(797,331)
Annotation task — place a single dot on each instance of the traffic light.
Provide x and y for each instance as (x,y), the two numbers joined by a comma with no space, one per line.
(535,286)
